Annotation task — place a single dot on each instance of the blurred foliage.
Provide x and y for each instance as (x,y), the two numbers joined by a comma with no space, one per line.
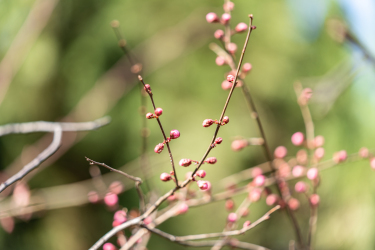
(78,46)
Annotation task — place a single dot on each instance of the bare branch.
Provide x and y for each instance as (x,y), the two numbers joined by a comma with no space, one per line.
(37,161)
(42,126)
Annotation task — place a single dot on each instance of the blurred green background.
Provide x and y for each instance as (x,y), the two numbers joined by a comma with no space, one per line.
(77,50)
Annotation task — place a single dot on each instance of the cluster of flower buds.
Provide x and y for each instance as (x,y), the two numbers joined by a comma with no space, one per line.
(174,134)
(208,122)
(157,112)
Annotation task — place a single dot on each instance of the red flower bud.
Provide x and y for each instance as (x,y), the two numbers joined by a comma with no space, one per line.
(174,134)
(165,177)
(225,119)
(158,111)
(207,123)
(159,148)
(211,160)
(150,115)
(184,162)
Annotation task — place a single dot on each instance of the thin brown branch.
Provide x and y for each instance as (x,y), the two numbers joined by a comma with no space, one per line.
(36,161)
(162,131)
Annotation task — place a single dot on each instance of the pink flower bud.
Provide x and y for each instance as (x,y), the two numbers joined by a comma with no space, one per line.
(280,152)
(109,246)
(319,153)
(203,185)
(220,61)
(314,200)
(246,223)
(120,216)
(363,152)
(174,134)
(226,85)
(201,173)
(149,115)
(93,196)
(300,187)
(7,223)
(298,171)
(229,204)
(184,162)
(158,148)
(302,156)
(312,173)
(147,87)
(230,78)
(259,180)
(293,204)
(165,177)
(212,17)
(256,171)
(208,122)
(298,138)
(172,197)
(218,140)
(254,194)
(372,163)
(158,111)
(148,220)
(246,67)
(244,212)
(225,119)
(225,18)
(232,217)
(232,48)
(116,187)
(272,199)
(219,34)
(211,160)
(228,6)
(183,208)
(319,141)
(237,145)
(110,199)
(241,27)
(339,156)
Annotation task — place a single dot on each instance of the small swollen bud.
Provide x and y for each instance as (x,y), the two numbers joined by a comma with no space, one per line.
(259,180)
(220,61)
(218,140)
(246,223)
(319,141)
(254,194)
(147,88)
(363,152)
(165,177)
(246,67)
(158,111)
(109,246)
(120,216)
(372,163)
(298,138)
(298,171)
(237,145)
(302,156)
(241,27)
(230,78)
(93,197)
(314,200)
(312,174)
(256,171)
(232,217)
(184,162)
(208,122)
(225,119)
(110,199)
(211,160)
(280,152)
(272,199)
(300,187)
(319,153)
(229,204)
(212,17)
(158,148)
(150,115)
(203,185)
(183,208)
(174,134)
(219,34)
(232,48)
(201,173)
(293,204)
(228,6)
(340,156)
(225,18)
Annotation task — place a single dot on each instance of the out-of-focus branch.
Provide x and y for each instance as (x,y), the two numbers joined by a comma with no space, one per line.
(25,38)
(37,161)
(42,126)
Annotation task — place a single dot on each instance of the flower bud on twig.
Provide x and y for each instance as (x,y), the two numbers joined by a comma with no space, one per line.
(158,148)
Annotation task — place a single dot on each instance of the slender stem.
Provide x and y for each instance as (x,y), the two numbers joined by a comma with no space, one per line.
(162,131)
